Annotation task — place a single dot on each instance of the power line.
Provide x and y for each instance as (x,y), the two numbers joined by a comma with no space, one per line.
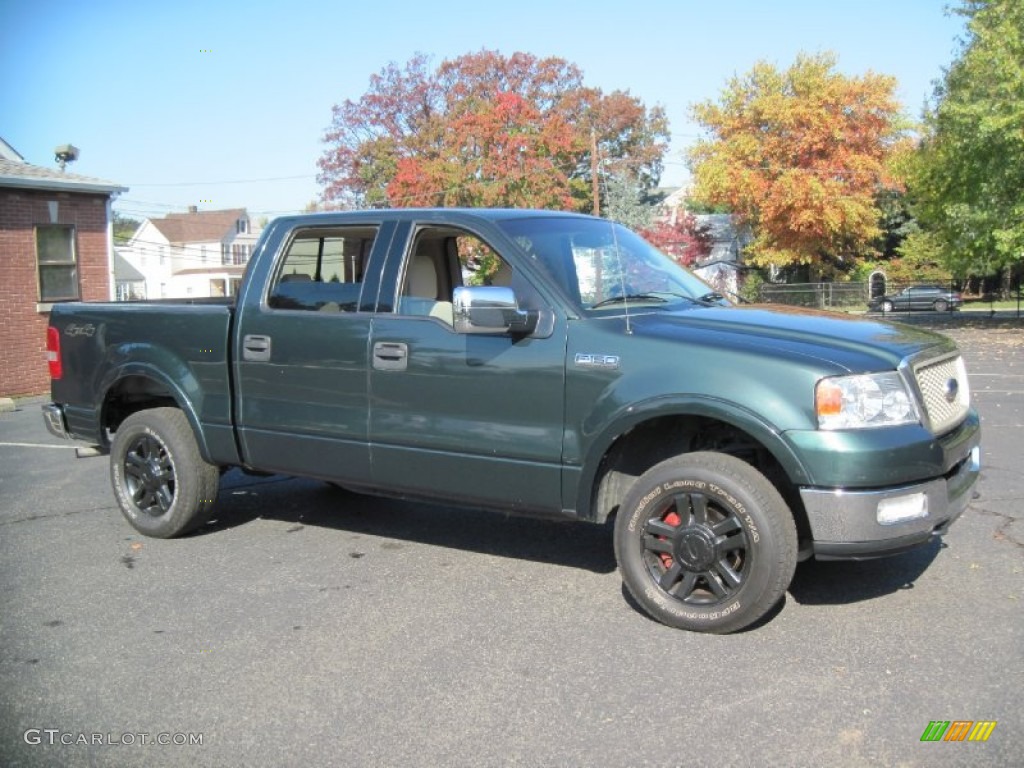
(146,208)
(429,198)
(231,181)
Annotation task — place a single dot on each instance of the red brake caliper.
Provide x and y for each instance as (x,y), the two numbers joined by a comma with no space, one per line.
(670,518)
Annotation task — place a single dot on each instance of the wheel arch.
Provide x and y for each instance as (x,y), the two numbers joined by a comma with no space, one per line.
(137,386)
(653,432)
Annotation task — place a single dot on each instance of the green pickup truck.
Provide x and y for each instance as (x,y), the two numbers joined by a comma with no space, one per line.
(535,362)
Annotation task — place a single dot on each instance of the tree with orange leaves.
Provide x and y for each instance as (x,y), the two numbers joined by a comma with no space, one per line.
(485,129)
(501,153)
(801,156)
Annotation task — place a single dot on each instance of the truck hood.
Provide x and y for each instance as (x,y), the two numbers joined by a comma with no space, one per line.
(853,343)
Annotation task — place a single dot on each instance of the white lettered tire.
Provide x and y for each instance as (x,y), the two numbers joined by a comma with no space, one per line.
(705,542)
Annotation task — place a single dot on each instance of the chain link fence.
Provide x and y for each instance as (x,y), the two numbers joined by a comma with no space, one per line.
(859,297)
(845,297)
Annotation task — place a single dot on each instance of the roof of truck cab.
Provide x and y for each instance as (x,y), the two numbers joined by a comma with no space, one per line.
(431,214)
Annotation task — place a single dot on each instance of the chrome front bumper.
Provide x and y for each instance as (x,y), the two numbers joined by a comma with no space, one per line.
(845,525)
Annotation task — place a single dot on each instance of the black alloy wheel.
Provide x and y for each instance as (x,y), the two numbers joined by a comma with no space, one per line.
(149,475)
(696,549)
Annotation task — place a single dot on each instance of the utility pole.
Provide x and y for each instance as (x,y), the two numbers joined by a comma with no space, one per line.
(593,172)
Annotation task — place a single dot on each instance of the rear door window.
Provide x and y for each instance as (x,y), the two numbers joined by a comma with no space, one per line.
(322,269)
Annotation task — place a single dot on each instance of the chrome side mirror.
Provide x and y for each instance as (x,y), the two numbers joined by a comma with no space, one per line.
(490,309)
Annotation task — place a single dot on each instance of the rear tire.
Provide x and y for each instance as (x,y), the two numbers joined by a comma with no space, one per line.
(705,542)
(941,305)
(162,484)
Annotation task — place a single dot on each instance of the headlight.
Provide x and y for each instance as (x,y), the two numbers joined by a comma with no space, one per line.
(862,401)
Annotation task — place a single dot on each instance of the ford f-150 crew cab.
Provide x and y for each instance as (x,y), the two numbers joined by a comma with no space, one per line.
(535,362)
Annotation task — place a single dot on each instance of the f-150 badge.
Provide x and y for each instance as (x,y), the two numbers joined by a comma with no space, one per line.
(584,360)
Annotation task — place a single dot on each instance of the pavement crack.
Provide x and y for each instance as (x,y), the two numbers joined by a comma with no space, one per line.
(1002,531)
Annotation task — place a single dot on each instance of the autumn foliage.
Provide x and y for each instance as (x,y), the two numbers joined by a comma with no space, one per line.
(681,238)
(485,130)
(800,155)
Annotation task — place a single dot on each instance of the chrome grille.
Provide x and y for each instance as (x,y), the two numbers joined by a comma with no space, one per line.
(944,391)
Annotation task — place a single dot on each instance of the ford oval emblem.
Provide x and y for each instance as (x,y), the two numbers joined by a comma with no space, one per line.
(952,390)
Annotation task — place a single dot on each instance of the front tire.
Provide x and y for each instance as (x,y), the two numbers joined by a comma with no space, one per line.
(887,306)
(162,484)
(704,542)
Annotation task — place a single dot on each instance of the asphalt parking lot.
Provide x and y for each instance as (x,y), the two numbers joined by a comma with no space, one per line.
(308,626)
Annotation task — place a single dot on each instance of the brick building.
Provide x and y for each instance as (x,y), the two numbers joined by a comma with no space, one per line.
(56,244)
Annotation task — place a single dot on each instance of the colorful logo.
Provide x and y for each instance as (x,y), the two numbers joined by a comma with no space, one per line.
(958,730)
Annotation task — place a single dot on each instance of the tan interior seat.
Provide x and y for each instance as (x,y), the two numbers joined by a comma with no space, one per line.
(421,282)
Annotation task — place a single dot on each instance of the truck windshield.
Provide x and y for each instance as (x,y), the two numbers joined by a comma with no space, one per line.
(602,265)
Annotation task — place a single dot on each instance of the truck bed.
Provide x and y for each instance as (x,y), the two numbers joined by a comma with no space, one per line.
(182,343)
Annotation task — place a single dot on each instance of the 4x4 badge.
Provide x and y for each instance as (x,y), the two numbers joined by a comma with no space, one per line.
(73,329)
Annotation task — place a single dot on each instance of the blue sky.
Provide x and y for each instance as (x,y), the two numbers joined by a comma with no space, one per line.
(224,104)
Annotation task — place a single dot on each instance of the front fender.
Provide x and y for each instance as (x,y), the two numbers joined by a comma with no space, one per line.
(633,415)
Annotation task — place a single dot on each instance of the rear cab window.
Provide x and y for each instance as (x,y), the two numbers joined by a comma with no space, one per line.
(322,269)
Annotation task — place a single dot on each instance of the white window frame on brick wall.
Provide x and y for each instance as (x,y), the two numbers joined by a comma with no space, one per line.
(56,257)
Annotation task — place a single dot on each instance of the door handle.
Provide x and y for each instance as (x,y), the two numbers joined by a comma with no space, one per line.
(255,348)
(390,356)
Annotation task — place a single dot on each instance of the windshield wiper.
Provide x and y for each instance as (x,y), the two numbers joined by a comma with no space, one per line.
(629,297)
(711,299)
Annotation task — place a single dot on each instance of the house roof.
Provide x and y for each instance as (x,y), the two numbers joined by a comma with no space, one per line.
(7,152)
(198,226)
(15,172)
(659,195)
(721,226)
(123,270)
(726,261)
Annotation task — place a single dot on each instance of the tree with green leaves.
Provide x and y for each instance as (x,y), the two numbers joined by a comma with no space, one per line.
(624,202)
(967,180)
(124,227)
(800,156)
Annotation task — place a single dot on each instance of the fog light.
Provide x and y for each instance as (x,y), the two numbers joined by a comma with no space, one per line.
(901,508)
(976,459)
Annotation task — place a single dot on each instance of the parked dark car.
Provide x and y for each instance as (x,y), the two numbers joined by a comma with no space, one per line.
(918,297)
